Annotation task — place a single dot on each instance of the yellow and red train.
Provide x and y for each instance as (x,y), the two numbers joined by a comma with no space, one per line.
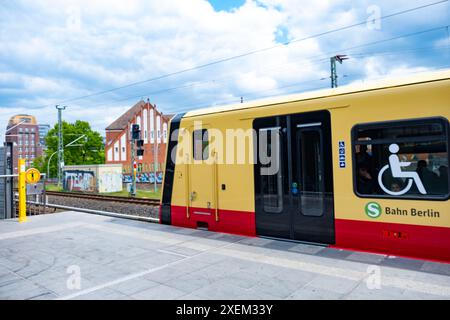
(359,167)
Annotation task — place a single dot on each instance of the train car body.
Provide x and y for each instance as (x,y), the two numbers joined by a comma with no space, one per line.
(359,167)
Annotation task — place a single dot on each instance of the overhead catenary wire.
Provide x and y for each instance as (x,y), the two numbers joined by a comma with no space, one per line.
(235,100)
(296,84)
(306,61)
(287,43)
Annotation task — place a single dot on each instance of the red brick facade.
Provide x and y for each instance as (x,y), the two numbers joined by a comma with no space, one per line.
(25,138)
(154,132)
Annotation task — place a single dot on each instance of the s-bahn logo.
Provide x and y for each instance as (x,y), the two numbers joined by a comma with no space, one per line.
(373,210)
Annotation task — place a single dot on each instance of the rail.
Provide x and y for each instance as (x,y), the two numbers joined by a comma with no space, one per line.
(141,201)
(99,212)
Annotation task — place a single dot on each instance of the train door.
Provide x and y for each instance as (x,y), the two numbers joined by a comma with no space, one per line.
(312,188)
(296,202)
(272,202)
(201,174)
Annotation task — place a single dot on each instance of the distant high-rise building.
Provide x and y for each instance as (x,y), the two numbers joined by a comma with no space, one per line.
(43,131)
(23,132)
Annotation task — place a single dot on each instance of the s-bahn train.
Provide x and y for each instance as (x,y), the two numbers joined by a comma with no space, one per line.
(358,167)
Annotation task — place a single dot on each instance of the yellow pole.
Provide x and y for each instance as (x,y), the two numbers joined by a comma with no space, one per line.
(22,192)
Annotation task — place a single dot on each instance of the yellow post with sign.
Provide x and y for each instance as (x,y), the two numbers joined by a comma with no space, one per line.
(22,192)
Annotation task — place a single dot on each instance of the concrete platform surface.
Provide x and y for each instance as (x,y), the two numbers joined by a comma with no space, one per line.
(73,255)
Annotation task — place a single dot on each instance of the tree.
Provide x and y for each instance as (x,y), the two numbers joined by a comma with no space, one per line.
(89,150)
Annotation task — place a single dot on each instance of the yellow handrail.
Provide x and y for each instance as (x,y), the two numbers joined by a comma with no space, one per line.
(216,189)
(188,198)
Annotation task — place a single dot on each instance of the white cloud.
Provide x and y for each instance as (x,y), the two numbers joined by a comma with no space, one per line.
(56,50)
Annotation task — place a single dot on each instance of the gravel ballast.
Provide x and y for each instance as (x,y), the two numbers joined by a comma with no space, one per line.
(116,207)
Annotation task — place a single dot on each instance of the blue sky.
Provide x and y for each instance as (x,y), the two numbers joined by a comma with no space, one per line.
(54,51)
(226,5)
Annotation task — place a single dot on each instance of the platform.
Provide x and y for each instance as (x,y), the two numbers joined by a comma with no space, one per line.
(124,259)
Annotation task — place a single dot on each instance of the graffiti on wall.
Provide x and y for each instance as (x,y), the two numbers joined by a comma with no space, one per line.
(144,177)
(110,182)
(76,180)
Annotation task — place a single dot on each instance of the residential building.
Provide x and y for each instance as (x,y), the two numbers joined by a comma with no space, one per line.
(23,132)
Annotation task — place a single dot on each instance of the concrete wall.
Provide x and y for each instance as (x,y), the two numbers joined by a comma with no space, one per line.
(79,180)
(93,178)
(109,179)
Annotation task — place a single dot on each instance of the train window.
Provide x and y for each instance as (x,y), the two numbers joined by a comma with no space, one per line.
(271,182)
(312,185)
(404,159)
(200,144)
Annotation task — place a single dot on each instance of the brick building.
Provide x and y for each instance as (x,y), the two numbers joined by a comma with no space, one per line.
(154,132)
(23,132)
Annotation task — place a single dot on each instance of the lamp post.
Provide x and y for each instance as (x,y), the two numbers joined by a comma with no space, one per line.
(70,144)
(60,143)
(48,164)
(16,125)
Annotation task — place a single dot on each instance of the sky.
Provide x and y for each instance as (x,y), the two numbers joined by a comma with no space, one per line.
(66,52)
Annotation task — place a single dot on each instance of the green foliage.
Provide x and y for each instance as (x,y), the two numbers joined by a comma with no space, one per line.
(89,150)
(40,164)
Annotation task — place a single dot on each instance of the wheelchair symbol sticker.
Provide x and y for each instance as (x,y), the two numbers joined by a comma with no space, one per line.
(395,166)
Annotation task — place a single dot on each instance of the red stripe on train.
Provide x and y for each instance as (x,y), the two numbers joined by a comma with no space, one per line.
(431,243)
(235,222)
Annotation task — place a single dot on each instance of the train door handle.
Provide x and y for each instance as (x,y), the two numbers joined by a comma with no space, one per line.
(193,195)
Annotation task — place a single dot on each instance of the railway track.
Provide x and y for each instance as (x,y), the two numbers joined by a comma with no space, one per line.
(138,201)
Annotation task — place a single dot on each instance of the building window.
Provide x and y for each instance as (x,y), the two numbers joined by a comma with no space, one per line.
(404,159)
(201,150)
(20,130)
(26,129)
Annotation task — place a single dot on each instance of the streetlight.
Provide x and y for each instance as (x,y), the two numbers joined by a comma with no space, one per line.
(18,124)
(9,129)
(70,144)
(60,142)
